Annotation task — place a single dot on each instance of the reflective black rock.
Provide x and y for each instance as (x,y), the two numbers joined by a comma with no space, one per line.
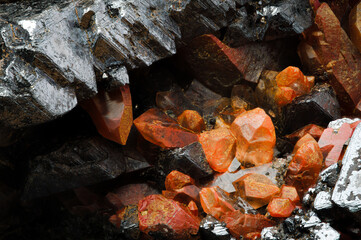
(319,107)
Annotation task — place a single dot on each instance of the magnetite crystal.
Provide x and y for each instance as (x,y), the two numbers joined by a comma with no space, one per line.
(255,136)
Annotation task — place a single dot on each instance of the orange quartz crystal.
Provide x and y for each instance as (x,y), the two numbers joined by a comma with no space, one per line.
(314,130)
(292,83)
(290,192)
(112,113)
(177,180)
(244,224)
(219,146)
(191,120)
(256,189)
(255,136)
(214,203)
(305,165)
(159,129)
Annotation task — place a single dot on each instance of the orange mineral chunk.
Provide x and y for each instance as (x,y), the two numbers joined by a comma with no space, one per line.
(177,180)
(166,217)
(305,165)
(214,203)
(256,137)
(159,129)
(243,224)
(290,192)
(193,208)
(256,189)
(280,207)
(112,113)
(292,83)
(191,120)
(312,129)
(355,25)
(219,146)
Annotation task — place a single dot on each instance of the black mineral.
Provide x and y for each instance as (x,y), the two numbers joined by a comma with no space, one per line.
(319,107)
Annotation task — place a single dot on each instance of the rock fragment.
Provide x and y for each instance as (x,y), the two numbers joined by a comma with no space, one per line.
(319,107)
(355,25)
(212,229)
(190,160)
(127,221)
(79,162)
(166,218)
(346,193)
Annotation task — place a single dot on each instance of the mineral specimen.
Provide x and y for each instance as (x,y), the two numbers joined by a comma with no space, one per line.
(256,189)
(355,26)
(305,165)
(280,207)
(212,229)
(312,129)
(339,58)
(127,220)
(319,107)
(255,136)
(167,218)
(219,145)
(191,120)
(346,193)
(337,140)
(177,180)
(214,203)
(190,160)
(112,113)
(79,162)
(159,129)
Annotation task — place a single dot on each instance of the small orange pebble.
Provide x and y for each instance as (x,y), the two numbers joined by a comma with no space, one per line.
(280,207)
(219,146)
(256,137)
(177,180)
(191,120)
(256,189)
(214,203)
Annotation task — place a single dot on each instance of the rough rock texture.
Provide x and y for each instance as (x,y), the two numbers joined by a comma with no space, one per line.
(212,229)
(79,162)
(190,160)
(303,227)
(268,20)
(347,194)
(330,49)
(52,50)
